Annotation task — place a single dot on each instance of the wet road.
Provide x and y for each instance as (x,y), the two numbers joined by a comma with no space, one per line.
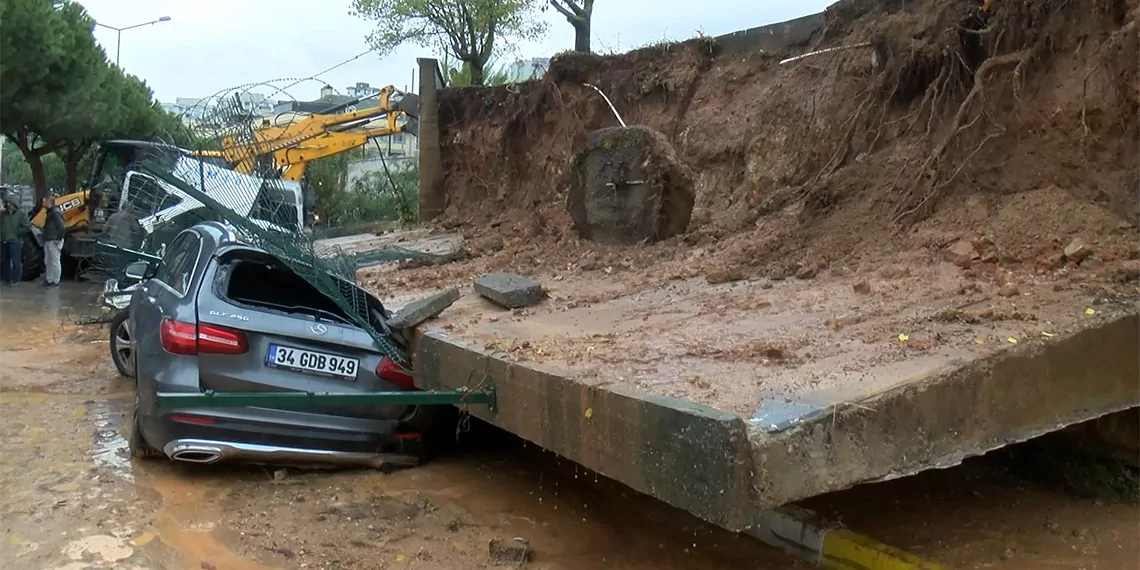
(73,500)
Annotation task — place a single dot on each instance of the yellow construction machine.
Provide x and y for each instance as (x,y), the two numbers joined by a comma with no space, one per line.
(293,141)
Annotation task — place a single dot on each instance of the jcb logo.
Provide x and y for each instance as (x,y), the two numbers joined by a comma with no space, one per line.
(68,205)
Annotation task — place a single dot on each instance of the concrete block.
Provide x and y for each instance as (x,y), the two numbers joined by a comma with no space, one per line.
(418,312)
(629,187)
(509,289)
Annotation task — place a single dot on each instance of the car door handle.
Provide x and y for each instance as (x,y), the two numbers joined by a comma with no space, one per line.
(151,300)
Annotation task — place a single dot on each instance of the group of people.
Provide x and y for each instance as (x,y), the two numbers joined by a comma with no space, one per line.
(14,225)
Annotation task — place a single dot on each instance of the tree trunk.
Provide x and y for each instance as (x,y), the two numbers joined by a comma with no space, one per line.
(477,74)
(33,156)
(71,156)
(582,36)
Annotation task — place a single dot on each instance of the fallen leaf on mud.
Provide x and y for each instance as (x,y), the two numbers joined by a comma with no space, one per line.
(589,413)
(1090,311)
(903,337)
(1047,334)
(979,340)
(1011,340)
(401,558)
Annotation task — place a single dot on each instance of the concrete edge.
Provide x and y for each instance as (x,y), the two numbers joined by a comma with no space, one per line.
(690,456)
(1006,398)
(796,532)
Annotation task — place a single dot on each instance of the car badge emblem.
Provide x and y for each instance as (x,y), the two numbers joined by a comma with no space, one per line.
(319,329)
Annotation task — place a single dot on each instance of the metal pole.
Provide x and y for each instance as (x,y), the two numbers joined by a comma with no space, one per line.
(118,46)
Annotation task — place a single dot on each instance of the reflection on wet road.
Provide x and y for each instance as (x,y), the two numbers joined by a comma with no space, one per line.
(73,500)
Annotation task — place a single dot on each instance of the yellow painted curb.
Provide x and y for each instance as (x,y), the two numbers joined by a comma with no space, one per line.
(846,550)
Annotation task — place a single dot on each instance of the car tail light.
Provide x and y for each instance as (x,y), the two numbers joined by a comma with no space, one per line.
(220,340)
(186,338)
(178,337)
(392,372)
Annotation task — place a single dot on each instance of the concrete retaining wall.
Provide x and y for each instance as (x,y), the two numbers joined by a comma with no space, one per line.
(773,38)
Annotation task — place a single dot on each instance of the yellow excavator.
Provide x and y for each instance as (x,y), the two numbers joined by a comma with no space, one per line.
(291,146)
(297,140)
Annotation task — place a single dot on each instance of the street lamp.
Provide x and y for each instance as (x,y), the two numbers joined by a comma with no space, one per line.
(119,31)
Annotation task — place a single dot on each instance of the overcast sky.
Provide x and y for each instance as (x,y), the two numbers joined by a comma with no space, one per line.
(213,45)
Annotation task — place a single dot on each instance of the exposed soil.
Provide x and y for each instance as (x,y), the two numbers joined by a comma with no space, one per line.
(1017,129)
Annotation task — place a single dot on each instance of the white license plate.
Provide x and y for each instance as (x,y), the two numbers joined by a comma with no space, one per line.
(311,362)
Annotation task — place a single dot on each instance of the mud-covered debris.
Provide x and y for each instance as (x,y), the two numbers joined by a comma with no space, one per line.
(962,254)
(1009,290)
(862,288)
(1077,250)
(511,550)
(807,272)
(723,276)
(630,187)
(280,474)
(509,290)
(420,311)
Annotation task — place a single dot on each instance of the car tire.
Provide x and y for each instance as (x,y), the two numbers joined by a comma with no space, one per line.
(122,349)
(136,442)
(32,259)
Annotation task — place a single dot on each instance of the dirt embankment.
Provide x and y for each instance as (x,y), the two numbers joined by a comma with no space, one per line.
(1017,127)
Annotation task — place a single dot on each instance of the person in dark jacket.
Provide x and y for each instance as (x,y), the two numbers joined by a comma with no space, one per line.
(13,225)
(53,242)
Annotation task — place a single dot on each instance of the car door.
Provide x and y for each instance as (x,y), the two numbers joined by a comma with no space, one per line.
(163,295)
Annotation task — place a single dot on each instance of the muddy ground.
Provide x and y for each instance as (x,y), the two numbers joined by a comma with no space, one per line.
(73,500)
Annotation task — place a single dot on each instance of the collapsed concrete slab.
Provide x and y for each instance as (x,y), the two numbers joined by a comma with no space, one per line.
(729,400)
(420,311)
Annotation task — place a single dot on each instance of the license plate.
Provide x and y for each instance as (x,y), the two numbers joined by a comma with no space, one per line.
(311,362)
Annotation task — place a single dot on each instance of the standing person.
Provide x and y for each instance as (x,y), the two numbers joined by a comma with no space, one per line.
(53,242)
(13,224)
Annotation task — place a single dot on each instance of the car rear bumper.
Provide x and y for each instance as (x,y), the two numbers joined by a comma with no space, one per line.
(279,437)
(212,451)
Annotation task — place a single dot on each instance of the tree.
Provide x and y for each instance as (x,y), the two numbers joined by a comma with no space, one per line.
(48,54)
(464,29)
(578,13)
(461,76)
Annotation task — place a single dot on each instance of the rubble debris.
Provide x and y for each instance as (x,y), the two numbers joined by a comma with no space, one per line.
(514,550)
(862,288)
(807,272)
(419,312)
(630,187)
(962,254)
(1077,251)
(723,276)
(509,290)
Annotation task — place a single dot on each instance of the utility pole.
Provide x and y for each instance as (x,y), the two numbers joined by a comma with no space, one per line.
(119,33)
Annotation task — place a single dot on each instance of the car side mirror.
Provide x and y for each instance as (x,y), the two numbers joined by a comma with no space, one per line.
(137,270)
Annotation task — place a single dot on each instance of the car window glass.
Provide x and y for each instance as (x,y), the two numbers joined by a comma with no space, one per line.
(178,264)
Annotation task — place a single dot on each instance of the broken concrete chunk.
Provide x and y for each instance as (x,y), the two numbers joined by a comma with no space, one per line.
(630,187)
(509,290)
(418,312)
(515,550)
(1077,251)
(961,254)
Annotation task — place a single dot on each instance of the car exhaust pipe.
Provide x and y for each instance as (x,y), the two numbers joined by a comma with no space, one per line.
(191,452)
(211,451)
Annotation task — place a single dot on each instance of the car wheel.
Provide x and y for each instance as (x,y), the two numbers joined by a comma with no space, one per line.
(122,350)
(140,449)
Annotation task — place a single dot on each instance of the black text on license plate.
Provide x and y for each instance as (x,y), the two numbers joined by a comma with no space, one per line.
(311,362)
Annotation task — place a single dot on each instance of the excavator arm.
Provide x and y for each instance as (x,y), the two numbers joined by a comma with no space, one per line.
(300,140)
